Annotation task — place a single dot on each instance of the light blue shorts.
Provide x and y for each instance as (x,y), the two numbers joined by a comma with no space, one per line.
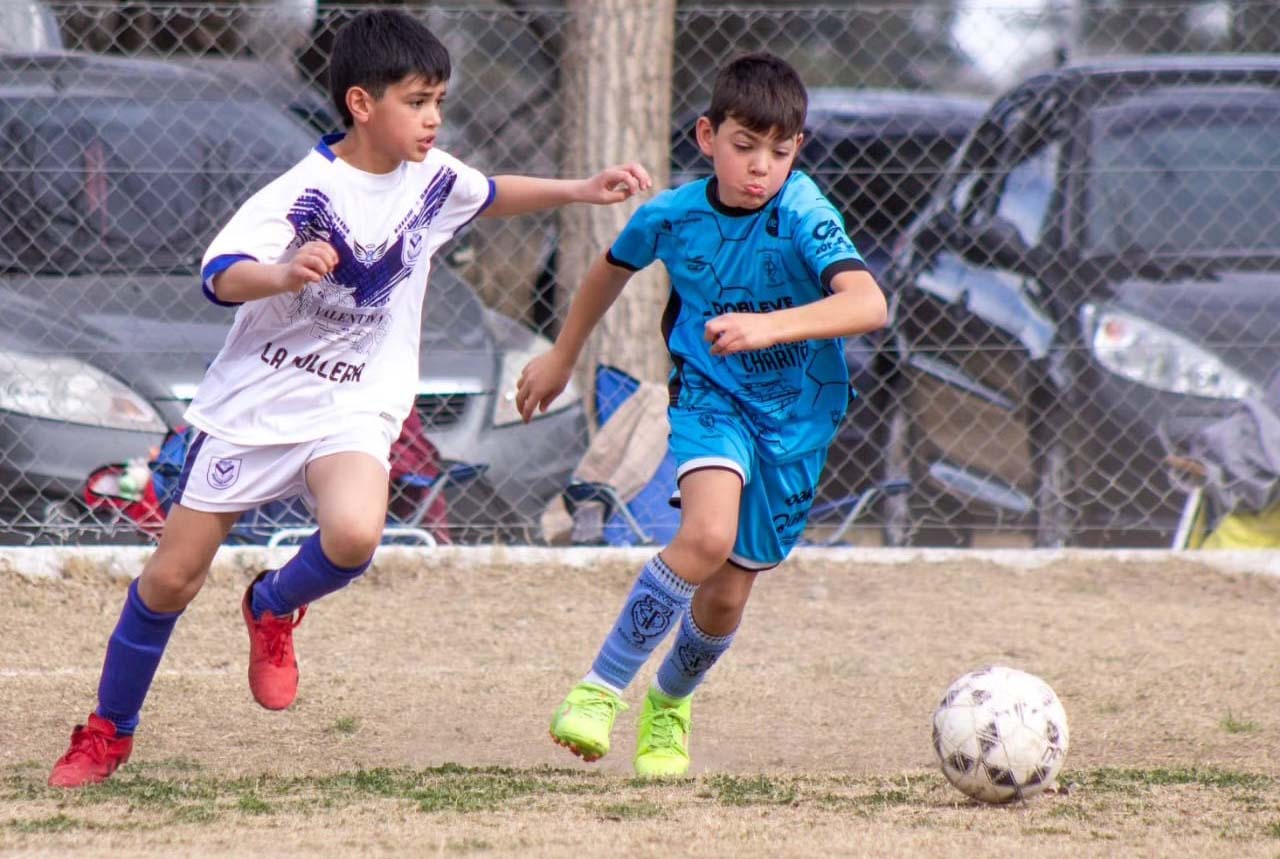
(775,497)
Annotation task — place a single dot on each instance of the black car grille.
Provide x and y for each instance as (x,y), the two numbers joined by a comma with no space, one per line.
(441,410)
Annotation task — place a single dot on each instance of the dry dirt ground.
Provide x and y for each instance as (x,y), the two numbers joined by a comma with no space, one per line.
(421,725)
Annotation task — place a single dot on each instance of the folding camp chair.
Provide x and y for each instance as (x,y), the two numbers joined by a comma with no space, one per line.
(852,508)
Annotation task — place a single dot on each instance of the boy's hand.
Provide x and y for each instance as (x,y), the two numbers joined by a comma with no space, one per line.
(739,332)
(615,184)
(542,380)
(310,264)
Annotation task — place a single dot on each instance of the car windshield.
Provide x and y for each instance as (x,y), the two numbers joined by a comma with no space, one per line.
(123,185)
(1188,178)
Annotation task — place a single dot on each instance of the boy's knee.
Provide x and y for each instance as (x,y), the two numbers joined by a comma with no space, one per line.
(351,543)
(720,603)
(169,587)
(712,544)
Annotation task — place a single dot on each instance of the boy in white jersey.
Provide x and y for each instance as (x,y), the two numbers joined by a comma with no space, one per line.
(328,265)
(764,283)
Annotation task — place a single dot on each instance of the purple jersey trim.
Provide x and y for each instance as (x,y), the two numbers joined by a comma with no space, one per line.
(217,266)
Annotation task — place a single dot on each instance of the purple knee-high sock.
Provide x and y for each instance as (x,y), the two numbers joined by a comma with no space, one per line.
(133,654)
(308,576)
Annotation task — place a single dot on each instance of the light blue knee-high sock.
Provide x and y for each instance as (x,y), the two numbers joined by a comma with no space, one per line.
(691,657)
(656,602)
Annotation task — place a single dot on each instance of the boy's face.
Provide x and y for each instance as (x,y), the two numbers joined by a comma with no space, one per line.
(403,122)
(750,166)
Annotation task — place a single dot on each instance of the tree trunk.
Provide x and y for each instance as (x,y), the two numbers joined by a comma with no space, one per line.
(617,100)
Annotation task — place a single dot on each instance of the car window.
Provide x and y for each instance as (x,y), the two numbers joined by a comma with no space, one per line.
(1027,191)
(1185,178)
(111,185)
(974,167)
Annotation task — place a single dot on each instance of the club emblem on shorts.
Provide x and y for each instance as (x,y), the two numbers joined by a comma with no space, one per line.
(223,473)
(649,618)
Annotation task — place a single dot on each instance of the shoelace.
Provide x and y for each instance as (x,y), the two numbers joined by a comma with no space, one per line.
(87,743)
(662,728)
(276,635)
(602,706)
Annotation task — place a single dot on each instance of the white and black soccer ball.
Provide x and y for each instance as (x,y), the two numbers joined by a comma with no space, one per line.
(1000,734)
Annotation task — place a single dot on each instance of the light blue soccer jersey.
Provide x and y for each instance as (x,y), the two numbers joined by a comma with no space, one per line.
(722,260)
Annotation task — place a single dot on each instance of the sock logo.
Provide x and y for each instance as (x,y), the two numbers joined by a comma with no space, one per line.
(649,618)
(223,473)
(694,660)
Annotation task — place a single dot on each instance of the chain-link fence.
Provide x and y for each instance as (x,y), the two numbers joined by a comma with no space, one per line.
(1080,256)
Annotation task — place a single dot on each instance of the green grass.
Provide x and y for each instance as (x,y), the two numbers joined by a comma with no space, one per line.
(345,725)
(194,798)
(56,823)
(155,796)
(1132,780)
(251,804)
(639,810)
(756,790)
(1232,725)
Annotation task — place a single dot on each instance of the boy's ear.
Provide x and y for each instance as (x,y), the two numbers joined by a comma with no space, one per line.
(704,134)
(360,103)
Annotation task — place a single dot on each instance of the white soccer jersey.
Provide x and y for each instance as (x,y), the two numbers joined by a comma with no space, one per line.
(296,366)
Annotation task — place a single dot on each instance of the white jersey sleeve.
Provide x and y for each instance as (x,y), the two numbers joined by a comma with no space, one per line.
(259,231)
(472,193)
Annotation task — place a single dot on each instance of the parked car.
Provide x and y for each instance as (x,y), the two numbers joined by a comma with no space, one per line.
(114,175)
(1096,276)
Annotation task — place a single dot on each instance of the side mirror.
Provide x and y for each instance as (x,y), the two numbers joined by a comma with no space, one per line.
(996,242)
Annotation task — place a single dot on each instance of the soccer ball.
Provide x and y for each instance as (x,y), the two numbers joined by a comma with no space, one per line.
(1000,734)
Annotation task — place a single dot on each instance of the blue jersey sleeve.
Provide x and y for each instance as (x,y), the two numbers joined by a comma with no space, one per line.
(821,241)
(635,247)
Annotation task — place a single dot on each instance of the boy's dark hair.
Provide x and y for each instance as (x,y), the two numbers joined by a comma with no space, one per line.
(377,49)
(762,92)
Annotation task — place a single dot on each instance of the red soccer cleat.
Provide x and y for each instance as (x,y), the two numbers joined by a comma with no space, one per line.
(273,666)
(95,753)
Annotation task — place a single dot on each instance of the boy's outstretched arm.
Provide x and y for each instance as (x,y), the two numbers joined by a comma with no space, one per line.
(516,195)
(856,305)
(545,377)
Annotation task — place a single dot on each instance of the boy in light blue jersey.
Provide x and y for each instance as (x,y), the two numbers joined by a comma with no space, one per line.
(765,282)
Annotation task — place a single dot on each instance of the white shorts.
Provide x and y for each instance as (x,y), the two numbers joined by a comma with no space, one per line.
(221,477)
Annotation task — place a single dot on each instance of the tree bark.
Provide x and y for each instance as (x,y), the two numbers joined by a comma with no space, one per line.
(617,100)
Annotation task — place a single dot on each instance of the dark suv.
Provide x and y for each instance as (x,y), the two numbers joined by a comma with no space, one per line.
(1097,276)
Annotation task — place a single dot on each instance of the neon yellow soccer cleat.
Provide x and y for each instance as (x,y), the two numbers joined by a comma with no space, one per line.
(584,720)
(662,743)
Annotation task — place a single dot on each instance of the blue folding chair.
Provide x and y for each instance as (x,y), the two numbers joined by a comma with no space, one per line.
(601,516)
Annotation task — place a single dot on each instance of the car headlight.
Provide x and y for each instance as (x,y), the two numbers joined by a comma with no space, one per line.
(1151,355)
(513,361)
(65,389)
